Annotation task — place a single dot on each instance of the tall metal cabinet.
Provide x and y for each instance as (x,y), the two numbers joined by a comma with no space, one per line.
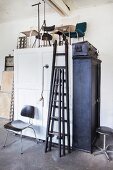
(86,100)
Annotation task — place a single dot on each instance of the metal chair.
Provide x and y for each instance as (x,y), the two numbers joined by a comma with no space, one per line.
(19,125)
(46,37)
(105,131)
(80,30)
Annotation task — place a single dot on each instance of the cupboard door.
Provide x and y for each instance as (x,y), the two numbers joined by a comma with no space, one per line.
(28,70)
(82,104)
(86,91)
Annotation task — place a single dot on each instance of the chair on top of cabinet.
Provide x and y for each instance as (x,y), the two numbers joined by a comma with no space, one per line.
(19,125)
(80,30)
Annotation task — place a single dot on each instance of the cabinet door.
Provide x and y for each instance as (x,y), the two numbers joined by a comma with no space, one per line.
(95,97)
(82,104)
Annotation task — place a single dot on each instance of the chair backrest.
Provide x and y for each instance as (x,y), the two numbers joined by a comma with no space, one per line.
(48,28)
(81,26)
(28,111)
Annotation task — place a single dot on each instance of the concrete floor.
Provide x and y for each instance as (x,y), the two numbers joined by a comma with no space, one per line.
(34,157)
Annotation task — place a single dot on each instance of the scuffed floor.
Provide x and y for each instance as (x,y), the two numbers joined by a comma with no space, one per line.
(34,157)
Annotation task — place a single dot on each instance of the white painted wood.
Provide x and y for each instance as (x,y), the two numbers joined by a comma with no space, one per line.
(28,64)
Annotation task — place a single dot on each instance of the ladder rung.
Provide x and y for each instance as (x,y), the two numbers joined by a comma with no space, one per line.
(61,80)
(58,106)
(60,67)
(61,94)
(57,84)
(56,101)
(56,134)
(60,54)
(57,118)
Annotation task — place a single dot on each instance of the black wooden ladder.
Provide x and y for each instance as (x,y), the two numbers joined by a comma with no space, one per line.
(58,111)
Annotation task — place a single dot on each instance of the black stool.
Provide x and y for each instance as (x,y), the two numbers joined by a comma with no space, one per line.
(105,131)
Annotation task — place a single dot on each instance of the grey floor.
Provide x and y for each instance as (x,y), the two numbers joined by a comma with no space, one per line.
(34,157)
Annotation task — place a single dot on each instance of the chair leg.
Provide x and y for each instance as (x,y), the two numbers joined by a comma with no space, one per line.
(106,155)
(34,43)
(49,43)
(98,152)
(6,139)
(34,133)
(103,150)
(83,38)
(70,41)
(21,143)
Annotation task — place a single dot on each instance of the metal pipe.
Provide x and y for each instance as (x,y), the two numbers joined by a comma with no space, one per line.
(104,143)
(44,22)
(38,23)
(21,143)
(6,139)
(42,98)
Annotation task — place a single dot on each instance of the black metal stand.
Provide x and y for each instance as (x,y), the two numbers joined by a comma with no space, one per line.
(44,22)
(59,105)
(39,35)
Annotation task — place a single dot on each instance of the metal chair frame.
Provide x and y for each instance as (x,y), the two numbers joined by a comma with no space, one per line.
(79,29)
(104,150)
(10,127)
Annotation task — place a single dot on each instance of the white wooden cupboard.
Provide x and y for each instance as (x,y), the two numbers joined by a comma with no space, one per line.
(28,66)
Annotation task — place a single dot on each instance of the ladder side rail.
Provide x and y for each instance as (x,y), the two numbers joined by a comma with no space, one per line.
(52,71)
(63,116)
(54,108)
(59,113)
(50,111)
(51,86)
(67,94)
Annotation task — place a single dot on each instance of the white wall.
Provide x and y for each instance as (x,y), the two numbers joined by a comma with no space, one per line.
(99,33)
(10,31)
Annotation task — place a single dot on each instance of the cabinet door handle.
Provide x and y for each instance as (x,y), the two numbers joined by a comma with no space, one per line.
(98,100)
